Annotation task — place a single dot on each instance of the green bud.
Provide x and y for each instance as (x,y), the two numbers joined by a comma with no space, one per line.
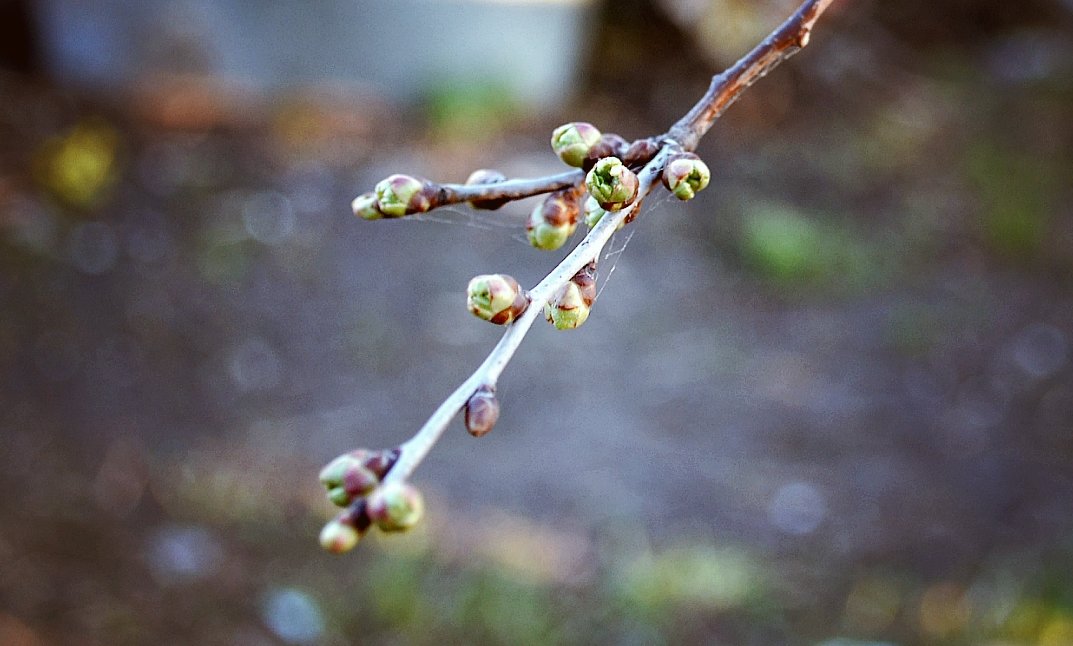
(332,474)
(594,213)
(395,507)
(482,411)
(686,175)
(572,303)
(572,141)
(338,537)
(554,220)
(365,207)
(401,195)
(486,176)
(347,477)
(496,297)
(612,184)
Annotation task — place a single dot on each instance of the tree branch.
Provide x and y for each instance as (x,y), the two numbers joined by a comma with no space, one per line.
(788,39)
(588,250)
(374,484)
(508,190)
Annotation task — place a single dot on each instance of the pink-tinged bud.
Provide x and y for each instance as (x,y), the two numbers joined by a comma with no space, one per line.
(482,411)
(612,184)
(486,176)
(496,297)
(640,152)
(554,220)
(358,481)
(346,478)
(400,195)
(609,145)
(572,141)
(339,537)
(686,175)
(572,303)
(395,507)
(365,207)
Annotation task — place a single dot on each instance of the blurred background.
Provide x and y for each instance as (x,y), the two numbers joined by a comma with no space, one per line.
(830,401)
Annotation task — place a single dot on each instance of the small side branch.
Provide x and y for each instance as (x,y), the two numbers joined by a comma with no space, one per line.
(508,190)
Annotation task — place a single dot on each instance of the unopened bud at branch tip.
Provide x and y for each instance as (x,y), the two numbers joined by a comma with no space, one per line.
(400,195)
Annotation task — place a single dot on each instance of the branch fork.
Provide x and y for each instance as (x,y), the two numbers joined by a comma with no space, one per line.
(373,486)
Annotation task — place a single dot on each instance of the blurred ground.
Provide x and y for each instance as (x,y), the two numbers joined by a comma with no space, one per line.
(830,401)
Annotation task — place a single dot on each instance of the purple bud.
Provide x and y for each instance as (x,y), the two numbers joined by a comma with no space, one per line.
(482,411)
(486,176)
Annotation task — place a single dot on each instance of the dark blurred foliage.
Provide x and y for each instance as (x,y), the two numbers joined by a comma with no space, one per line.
(828,402)
(18,47)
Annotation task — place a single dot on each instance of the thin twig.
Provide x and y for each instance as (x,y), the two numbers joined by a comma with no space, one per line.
(788,39)
(511,189)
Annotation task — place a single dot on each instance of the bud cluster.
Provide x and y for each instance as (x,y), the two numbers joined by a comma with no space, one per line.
(353,480)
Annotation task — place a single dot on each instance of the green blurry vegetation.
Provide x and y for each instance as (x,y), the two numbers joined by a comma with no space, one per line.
(701,576)
(472,112)
(792,249)
(1015,198)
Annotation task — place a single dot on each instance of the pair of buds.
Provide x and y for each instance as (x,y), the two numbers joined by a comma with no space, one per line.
(499,298)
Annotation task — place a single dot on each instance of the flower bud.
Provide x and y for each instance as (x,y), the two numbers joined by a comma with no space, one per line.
(686,175)
(554,220)
(482,411)
(365,207)
(346,478)
(401,195)
(594,213)
(612,184)
(486,176)
(640,152)
(496,297)
(339,537)
(571,304)
(572,141)
(395,507)
(609,145)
